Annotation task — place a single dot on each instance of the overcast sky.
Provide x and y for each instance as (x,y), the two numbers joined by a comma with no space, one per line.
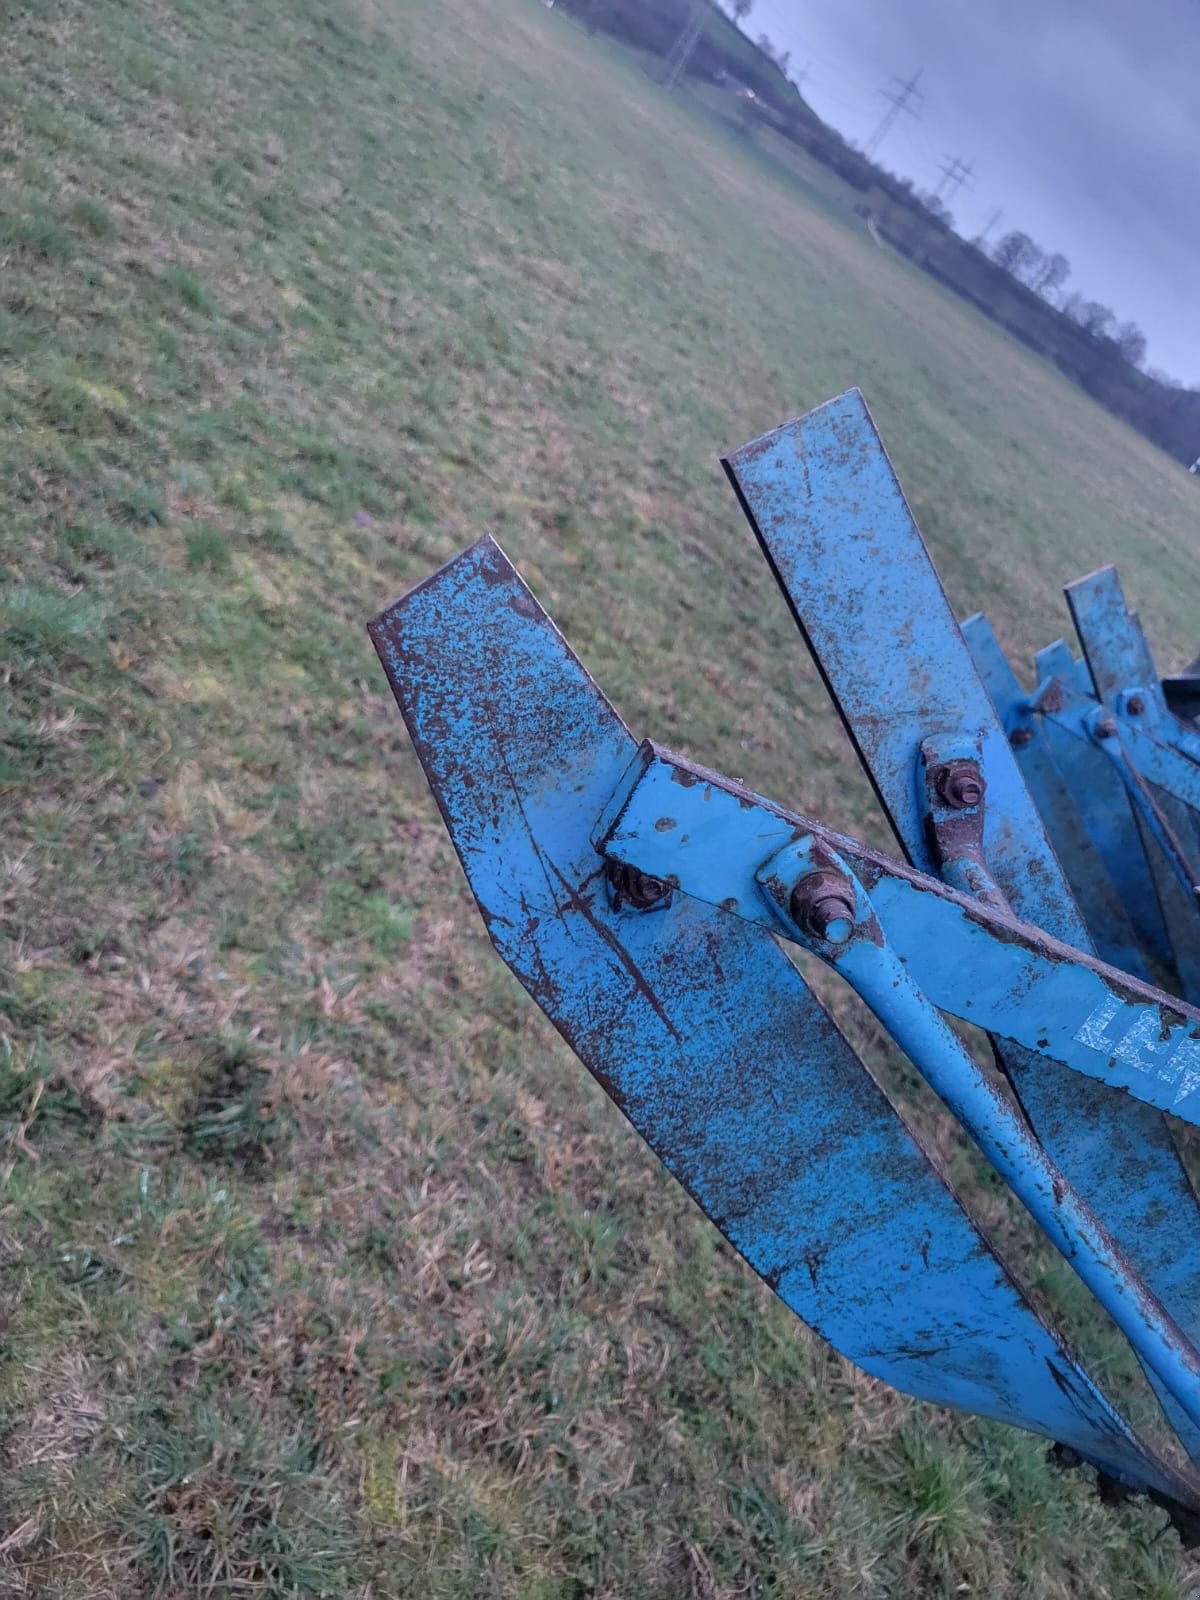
(1081,117)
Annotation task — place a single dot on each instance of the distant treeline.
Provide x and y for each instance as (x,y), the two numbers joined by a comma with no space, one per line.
(1011,284)
(1081,337)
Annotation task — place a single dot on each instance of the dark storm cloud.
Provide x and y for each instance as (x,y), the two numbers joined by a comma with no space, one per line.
(1082,119)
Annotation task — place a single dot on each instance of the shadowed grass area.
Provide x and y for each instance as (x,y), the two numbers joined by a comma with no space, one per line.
(325,1268)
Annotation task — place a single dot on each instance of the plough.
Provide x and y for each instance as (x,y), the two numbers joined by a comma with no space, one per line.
(1047,896)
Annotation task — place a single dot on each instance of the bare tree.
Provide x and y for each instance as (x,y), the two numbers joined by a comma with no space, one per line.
(1016,253)
(1131,342)
(1052,274)
(1092,317)
(938,208)
(741,9)
(1029,270)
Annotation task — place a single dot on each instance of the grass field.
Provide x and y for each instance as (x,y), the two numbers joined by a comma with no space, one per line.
(325,1268)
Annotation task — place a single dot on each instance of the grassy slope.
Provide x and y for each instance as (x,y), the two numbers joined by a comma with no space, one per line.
(725,35)
(325,1269)
(728,36)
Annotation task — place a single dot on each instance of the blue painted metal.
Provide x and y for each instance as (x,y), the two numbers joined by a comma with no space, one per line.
(1114,644)
(1130,763)
(1155,759)
(710,1041)
(1056,661)
(825,504)
(1142,745)
(1104,808)
(1122,668)
(1165,728)
(1083,861)
(858,947)
(707,836)
(831,517)
(1163,820)
(955,806)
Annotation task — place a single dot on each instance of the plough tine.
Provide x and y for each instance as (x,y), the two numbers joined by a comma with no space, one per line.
(826,506)
(1131,825)
(1115,647)
(1126,681)
(1103,805)
(824,502)
(1087,872)
(1056,661)
(709,1040)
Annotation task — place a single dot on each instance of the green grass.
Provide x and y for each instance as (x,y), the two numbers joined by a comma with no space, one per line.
(725,34)
(325,1268)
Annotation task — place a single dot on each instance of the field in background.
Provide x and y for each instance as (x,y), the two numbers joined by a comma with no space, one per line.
(324,1268)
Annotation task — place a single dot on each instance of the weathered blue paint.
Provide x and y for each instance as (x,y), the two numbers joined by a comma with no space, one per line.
(824,501)
(1104,807)
(859,948)
(1131,763)
(1122,665)
(825,504)
(1114,645)
(954,817)
(708,1038)
(1082,860)
(1157,760)
(1056,661)
(708,836)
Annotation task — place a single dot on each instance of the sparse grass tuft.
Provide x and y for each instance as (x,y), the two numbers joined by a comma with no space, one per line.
(138,505)
(42,624)
(223,1504)
(207,547)
(93,218)
(183,282)
(102,543)
(234,1114)
(36,234)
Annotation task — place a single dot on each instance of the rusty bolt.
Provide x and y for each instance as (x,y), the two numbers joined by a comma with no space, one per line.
(959,784)
(1020,737)
(1106,726)
(646,890)
(823,905)
(1135,705)
(641,890)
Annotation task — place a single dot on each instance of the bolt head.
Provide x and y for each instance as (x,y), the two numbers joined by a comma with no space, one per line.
(646,889)
(1106,726)
(1020,737)
(823,905)
(1135,705)
(641,890)
(959,784)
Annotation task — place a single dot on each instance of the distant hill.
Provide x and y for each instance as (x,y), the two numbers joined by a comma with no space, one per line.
(722,52)
(1167,414)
